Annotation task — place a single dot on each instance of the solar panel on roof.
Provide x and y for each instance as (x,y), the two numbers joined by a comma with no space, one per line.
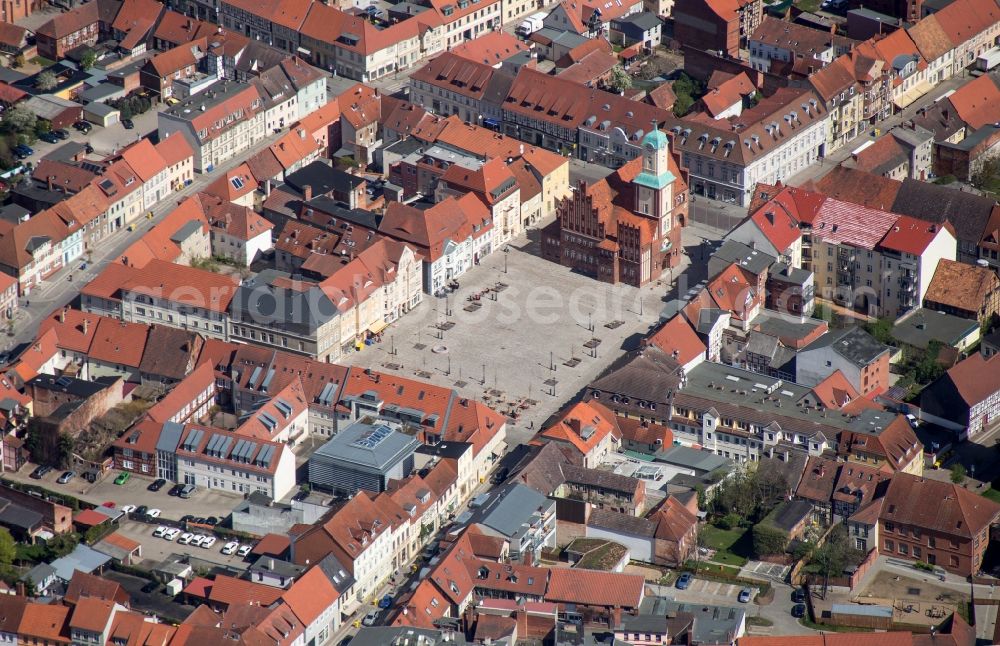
(374,437)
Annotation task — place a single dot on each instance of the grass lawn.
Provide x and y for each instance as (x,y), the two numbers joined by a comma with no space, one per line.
(732,546)
(992,494)
(808,5)
(41,61)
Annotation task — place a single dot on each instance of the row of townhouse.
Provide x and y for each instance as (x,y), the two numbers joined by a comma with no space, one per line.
(97,611)
(870,258)
(351,45)
(887,73)
(744,415)
(129,185)
(231,117)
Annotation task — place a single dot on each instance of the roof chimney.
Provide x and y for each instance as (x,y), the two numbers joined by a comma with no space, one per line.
(62,315)
(307,192)
(86,324)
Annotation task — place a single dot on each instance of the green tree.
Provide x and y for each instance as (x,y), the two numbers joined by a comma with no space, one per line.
(620,79)
(46,81)
(19,119)
(835,554)
(19,61)
(881,329)
(768,539)
(8,548)
(64,450)
(958,473)
(88,59)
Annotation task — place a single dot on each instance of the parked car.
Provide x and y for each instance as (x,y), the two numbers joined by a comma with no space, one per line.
(799,610)
(83,126)
(185,538)
(212,520)
(172,533)
(122,478)
(208,542)
(244,550)
(230,548)
(66,477)
(160,531)
(154,513)
(90,476)
(22,151)
(128,124)
(745,595)
(187,491)
(684,580)
(176,490)
(128,509)
(370,618)
(385,602)
(61,133)
(197,540)
(157,484)
(798,595)
(40,471)
(49,137)
(141,510)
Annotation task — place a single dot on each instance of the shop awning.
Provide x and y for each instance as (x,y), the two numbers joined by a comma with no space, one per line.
(377,327)
(911,95)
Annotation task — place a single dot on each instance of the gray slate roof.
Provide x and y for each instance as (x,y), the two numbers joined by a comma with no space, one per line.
(922,326)
(356,445)
(853,344)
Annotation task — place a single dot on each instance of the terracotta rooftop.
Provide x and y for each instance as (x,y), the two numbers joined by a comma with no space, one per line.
(961,285)
(959,512)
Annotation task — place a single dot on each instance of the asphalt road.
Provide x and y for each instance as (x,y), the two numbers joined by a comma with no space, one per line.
(60,290)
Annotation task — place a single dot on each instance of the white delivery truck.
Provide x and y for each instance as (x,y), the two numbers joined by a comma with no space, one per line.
(531,24)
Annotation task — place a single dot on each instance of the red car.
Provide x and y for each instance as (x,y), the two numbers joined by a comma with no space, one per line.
(109,504)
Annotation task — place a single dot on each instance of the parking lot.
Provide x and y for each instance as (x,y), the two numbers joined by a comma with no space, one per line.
(204,502)
(156,549)
(520,333)
(770,572)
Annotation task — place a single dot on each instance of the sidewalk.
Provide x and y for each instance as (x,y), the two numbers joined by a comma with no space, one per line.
(817,171)
(58,291)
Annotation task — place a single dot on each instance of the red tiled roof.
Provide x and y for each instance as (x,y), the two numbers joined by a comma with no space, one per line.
(963,19)
(229,591)
(729,92)
(957,512)
(835,391)
(182,284)
(310,595)
(92,614)
(119,342)
(90,518)
(976,377)
(678,339)
(594,588)
(491,48)
(976,101)
(912,236)
(46,623)
(859,187)
(581,416)
(961,285)
(272,545)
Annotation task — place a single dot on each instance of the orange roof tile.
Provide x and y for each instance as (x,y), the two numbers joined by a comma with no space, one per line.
(584,425)
(976,101)
(492,48)
(594,588)
(678,339)
(47,623)
(310,595)
(119,342)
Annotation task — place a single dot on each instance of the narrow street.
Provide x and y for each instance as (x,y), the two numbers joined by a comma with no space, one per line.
(59,290)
